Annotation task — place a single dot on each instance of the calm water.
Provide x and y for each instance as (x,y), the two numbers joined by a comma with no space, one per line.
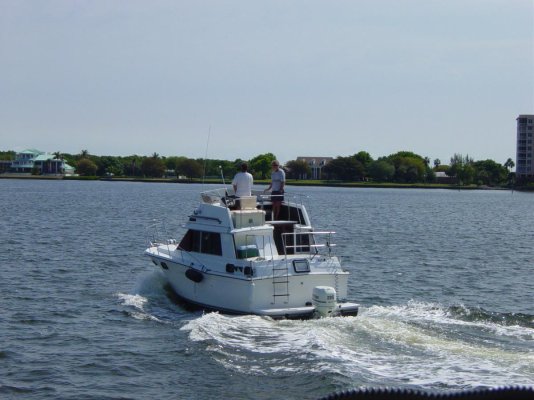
(445,279)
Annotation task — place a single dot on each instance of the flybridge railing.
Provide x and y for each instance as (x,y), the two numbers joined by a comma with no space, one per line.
(263,196)
(226,198)
(216,195)
(293,204)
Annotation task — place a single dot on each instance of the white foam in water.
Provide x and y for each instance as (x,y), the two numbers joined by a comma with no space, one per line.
(149,285)
(134,300)
(407,344)
(436,314)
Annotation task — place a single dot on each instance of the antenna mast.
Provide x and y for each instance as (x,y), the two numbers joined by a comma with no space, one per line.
(206,157)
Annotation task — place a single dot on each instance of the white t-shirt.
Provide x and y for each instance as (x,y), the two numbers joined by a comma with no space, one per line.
(277,177)
(243,183)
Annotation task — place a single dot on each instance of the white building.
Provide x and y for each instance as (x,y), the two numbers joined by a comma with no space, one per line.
(316,165)
(524,165)
(35,161)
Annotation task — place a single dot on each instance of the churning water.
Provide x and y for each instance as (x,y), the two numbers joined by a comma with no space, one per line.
(445,280)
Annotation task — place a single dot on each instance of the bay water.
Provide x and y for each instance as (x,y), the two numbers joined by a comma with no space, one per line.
(445,280)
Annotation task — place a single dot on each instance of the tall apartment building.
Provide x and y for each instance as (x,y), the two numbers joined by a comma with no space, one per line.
(524,165)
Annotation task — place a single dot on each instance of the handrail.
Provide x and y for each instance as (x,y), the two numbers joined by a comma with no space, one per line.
(311,245)
(154,233)
(204,217)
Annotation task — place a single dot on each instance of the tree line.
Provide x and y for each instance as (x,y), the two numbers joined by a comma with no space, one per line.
(408,167)
(400,167)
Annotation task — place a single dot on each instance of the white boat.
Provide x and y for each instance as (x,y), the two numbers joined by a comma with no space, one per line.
(235,259)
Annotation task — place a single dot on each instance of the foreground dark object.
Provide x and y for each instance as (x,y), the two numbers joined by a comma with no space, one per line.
(516,393)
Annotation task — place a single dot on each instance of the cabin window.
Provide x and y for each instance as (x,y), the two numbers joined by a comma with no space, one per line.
(211,243)
(202,242)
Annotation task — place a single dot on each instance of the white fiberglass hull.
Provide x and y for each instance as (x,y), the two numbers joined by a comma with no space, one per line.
(254,295)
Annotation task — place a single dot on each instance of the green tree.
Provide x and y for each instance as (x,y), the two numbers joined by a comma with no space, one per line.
(409,167)
(213,167)
(488,172)
(344,169)
(381,171)
(7,155)
(109,165)
(298,169)
(261,165)
(466,174)
(86,167)
(171,163)
(364,158)
(131,165)
(462,168)
(189,168)
(153,167)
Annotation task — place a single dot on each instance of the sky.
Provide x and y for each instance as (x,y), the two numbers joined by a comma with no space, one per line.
(231,79)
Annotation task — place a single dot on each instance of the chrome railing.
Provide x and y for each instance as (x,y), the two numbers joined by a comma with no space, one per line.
(310,243)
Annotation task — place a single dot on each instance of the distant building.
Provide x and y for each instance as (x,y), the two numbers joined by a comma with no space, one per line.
(38,162)
(524,166)
(442,177)
(316,165)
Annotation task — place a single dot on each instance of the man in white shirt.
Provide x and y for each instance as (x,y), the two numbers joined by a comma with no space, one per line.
(242,182)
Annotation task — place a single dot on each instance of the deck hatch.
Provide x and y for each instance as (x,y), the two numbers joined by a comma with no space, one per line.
(301,266)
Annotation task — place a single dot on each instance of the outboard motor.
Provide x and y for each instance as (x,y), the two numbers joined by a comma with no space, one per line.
(324,300)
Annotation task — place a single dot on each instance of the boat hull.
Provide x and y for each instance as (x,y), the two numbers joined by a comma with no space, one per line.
(253,295)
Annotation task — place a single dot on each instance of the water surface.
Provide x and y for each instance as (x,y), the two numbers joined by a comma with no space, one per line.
(445,279)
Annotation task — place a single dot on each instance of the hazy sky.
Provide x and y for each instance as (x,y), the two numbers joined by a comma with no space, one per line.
(306,77)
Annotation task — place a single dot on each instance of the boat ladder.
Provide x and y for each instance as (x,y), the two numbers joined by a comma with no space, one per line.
(280,283)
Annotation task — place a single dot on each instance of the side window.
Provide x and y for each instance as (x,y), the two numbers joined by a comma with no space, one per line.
(211,243)
(187,241)
(202,242)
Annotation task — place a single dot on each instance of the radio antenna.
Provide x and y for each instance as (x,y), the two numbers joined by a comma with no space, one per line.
(222,175)
(206,157)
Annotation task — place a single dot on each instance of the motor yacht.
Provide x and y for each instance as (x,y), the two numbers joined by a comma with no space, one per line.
(234,258)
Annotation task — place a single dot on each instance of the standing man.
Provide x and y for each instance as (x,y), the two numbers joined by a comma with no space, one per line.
(278,180)
(242,182)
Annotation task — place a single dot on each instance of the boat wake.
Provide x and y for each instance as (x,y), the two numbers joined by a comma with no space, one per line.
(420,345)
(152,299)
(417,344)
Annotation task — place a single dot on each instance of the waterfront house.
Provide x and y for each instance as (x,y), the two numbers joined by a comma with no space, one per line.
(316,165)
(442,177)
(33,161)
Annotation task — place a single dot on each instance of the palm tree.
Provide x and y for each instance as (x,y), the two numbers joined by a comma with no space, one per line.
(57,156)
(84,153)
(509,164)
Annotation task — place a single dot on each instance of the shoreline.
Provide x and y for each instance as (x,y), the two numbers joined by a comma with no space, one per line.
(289,182)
